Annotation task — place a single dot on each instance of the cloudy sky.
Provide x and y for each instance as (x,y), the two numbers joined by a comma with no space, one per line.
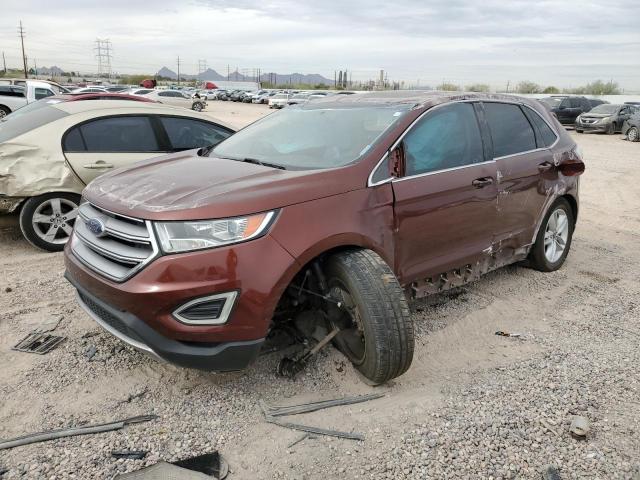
(564,43)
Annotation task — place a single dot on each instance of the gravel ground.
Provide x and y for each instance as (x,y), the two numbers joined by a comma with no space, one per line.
(473,405)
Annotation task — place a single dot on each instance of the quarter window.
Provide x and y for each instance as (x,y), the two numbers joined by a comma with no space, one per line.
(185,133)
(446,138)
(511,132)
(547,136)
(42,93)
(115,134)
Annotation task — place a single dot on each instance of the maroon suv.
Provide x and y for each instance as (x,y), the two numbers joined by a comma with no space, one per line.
(324,216)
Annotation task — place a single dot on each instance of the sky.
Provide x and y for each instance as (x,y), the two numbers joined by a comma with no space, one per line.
(562,43)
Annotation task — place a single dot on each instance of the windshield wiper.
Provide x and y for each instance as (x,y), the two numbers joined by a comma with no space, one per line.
(255,161)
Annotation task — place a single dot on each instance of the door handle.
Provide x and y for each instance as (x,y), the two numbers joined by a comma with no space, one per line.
(482,182)
(98,165)
(545,166)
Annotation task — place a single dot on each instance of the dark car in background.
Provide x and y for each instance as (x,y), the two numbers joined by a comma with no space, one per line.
(631,127)
(606,118)
(566,108)
(596,101)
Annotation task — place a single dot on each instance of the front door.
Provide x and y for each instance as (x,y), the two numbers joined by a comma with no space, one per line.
(445,204)
(99,146)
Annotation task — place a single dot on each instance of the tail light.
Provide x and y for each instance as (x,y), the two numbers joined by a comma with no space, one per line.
(574,165)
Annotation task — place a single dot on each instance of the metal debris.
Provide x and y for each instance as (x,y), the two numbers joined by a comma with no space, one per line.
(212,464)
(306,428)
(38,342)
(289,367)
(301,439)
(579,427)
(507,334)
(72,432)
(279,411)
(129,454)
(550,472)
(201,467)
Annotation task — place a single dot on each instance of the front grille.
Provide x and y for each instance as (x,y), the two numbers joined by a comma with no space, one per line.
(108,318)
(589,120)
(122,246)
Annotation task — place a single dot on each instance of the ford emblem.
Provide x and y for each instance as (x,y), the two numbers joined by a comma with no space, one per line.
(96,226)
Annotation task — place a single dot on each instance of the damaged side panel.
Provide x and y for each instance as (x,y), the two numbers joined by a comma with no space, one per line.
(28,170)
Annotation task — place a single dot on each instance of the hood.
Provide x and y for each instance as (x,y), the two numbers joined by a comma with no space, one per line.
(185,186)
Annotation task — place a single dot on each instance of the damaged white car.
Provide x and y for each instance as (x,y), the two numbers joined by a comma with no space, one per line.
(50,150)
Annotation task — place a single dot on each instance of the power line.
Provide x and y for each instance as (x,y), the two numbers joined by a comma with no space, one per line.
(24,57)
(103,47)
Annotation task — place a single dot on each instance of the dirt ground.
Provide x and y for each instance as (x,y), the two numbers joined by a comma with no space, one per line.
(473,404)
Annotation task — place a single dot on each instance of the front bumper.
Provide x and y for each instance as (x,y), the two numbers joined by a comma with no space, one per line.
(592,127)
(221,357)
(9,204)
(144,304)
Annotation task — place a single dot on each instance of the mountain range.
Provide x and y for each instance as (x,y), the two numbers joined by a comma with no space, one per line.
(279,78)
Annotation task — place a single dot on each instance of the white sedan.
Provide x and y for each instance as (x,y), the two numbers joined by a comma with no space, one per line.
(50,150)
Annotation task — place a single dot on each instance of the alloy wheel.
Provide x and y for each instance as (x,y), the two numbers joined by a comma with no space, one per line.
(53,220)
(556,235)
(632,134)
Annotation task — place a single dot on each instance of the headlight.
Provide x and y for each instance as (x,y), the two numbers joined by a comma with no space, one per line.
(196,235)
(607,120)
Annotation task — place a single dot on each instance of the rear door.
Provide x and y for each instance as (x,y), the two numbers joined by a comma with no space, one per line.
(445,204)
(98,146)
(520,138)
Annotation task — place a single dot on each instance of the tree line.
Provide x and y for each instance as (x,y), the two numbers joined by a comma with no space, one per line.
(594,88)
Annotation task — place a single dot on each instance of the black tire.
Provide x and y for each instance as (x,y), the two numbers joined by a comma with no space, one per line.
(4,111)
(30,208)
(633,135)
(384,326)
(579,131)
(197,106)
(611,129)
(537,258)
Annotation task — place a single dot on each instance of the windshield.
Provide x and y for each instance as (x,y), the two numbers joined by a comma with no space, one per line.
(552,101)
(605,108)
(301,139)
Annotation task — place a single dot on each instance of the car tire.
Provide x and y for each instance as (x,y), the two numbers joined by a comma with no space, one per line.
(553,241)
(611,129)
(378,334)
(60,208)
(633,135)
(579,131)
(4,111)
(196,107)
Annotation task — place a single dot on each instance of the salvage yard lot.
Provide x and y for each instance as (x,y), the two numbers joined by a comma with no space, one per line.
(473,404)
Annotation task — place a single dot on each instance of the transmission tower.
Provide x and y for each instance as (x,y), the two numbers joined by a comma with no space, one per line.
(103,54)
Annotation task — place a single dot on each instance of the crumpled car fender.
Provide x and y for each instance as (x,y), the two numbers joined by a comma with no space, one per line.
(28,171)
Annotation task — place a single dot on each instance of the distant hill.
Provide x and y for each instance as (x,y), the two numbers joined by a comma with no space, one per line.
(210,74)
(52,71)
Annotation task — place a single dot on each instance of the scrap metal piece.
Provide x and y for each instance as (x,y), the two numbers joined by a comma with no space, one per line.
(289,367)
(279,411)
(163,471)
(129,454)
(212,464)
(38,342)
(507,334)
(71,432)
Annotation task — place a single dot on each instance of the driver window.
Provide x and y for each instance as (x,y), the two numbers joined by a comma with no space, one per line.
(445,138)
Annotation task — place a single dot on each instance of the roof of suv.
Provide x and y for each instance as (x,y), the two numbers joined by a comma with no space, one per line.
(416,98)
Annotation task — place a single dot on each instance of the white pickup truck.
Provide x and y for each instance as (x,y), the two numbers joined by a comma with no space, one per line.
(16,95)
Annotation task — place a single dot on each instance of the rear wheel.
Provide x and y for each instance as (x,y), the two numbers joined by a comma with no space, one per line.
(47,221)
(4,111)
(633,135)
(377,331)
(554,238)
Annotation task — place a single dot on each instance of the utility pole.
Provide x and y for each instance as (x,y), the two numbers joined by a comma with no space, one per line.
(4,63)
(178,69)
(35,68)
(227,72)
(24,57)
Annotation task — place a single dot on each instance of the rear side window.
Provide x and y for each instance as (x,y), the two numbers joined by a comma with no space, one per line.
(73,141)
(185,133)
(547,136)
(448,137)
(116,134)
(42,93)
(511,132)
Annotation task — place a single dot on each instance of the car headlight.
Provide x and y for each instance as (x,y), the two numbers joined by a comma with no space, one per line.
(199,234)
(607,120)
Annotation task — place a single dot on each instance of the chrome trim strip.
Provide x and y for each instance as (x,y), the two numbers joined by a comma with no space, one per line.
(119,335)
(106,253)
(446,170)
(230,300)
(121,235)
